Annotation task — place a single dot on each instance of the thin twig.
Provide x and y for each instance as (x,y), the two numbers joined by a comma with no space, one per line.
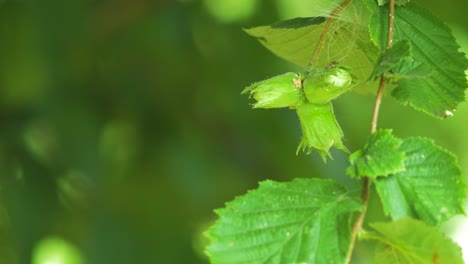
(366,182)
(378,99)
(333,16)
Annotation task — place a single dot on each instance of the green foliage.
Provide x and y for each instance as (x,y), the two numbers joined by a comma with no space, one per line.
(430,188)
(409,69)
(303,221)
(379,157)
(398,62)
(418,183)
(408,241)
(414,177)
(122,124)
(392,58)
(433,44)
(293,40)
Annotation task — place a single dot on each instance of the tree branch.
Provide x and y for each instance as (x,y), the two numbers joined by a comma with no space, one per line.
(366,182)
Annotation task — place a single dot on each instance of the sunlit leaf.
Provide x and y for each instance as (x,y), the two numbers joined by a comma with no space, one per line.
(430,188)
(408,241)
(303,221)
(379,157)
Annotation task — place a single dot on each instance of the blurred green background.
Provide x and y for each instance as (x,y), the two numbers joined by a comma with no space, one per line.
(123,127)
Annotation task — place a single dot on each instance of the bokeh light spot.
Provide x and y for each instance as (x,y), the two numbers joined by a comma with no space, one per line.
(53,250)
(230,11)
(288,9)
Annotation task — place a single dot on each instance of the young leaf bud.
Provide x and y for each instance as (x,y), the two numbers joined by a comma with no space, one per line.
(319,129)
(325,84)
(276,92)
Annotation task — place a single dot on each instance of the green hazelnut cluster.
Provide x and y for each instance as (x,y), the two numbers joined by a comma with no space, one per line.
(310,94)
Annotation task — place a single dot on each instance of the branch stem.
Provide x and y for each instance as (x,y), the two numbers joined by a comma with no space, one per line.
(366,182)
(333,16)
(378,99)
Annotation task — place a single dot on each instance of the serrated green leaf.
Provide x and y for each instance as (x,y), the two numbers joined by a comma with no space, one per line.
(347,42)
(379,157)
(392,58)
(433,45)
(410,69)
(303,221)
(430,188)
(397,63)
(408,241)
